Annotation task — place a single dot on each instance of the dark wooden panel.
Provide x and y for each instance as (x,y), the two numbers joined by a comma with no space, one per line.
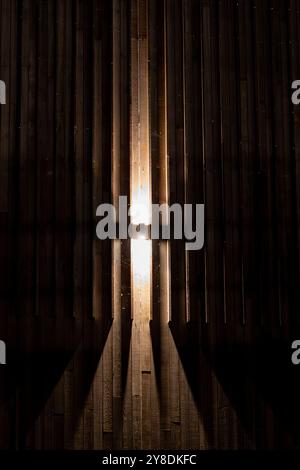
(223,131)
(175,149)
(7,58)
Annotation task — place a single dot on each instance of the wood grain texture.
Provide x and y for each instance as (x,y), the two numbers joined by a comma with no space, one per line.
(207,87)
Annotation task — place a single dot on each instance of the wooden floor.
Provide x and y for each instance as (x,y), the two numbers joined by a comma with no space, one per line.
(212,369)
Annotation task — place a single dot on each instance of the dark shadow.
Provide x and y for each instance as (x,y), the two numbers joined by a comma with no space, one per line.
(156,318)
(126,314)
(32,377)
(254,376)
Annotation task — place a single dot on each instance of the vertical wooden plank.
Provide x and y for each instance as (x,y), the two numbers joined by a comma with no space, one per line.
(229,93)
(14,104)
(194,194)
(294,69)
(175,130)
(188,188)
(65,194)
(286,268)
(194,173)
(136,352)
(107,395)
(146,347)
(45,147)
(90,330)
(248,158)
(164,284)
(102,181)
(267,270)
(80,265)
(5,108)
(285,195)
(13,156)
(27,188)
(125,152)
(249,200)
(174,96)
(8,69)
(268,303)
(78,163)
(230,162)
(158,190)
(25,288)
(117,125)
(64,171)
(214,294)
(121,249)
(102,262)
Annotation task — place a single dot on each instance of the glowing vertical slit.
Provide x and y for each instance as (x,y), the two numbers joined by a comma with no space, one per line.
(141,250)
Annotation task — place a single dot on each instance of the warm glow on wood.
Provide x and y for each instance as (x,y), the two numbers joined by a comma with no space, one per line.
(140,166)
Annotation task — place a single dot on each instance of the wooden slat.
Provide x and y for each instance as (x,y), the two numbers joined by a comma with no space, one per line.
(231,206)
(158,191)
(121,249)
(64,142)
(230,163)
(249,200)
(175,149)
(294,68)
(286,267)
(214,81)
(267,270)
(27,181)
(214,295)
(5,54)
(193,148)
(45,148)
(82,165)
(8,71)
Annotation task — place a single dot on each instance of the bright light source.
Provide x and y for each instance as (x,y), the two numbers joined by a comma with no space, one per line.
(141,246)
(140,232)
(141,261)
(140,211)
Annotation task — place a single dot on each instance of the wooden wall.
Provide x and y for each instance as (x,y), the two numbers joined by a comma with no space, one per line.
(212,369)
